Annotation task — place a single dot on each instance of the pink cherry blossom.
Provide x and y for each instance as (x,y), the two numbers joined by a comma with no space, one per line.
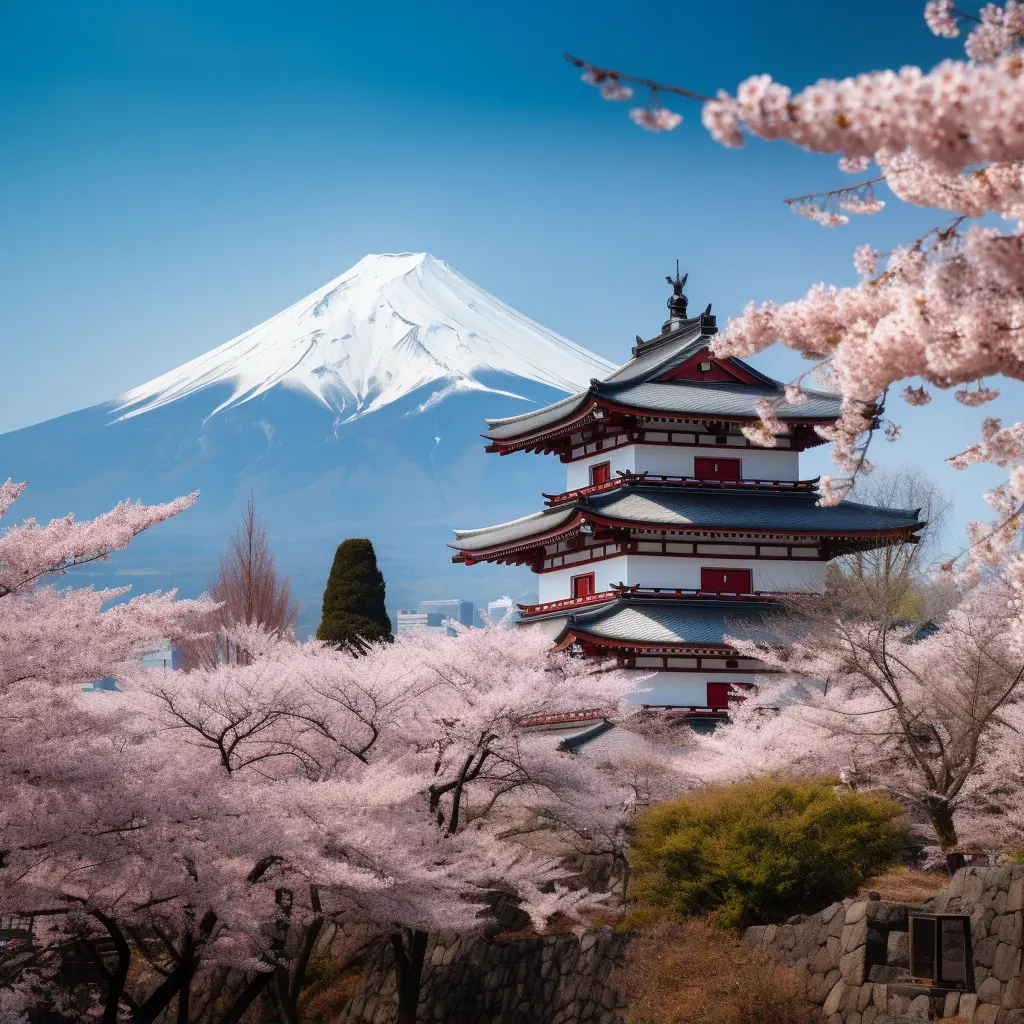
(941,19)
(656,119)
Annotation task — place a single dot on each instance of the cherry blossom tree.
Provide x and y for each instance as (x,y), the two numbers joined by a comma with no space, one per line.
(926,714)
(60,766)
(944,311)
(253,801)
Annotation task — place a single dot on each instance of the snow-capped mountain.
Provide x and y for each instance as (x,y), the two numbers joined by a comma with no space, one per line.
(388,327)
(356,412)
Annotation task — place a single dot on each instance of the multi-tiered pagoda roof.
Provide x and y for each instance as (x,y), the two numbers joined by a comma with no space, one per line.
(672,386)
(707,528)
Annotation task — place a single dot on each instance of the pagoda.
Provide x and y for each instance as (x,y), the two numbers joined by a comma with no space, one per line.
(673,527)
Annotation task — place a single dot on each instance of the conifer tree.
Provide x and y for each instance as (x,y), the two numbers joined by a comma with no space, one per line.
(353,609)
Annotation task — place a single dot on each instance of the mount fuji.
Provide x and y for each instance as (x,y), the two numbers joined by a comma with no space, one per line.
(354,412)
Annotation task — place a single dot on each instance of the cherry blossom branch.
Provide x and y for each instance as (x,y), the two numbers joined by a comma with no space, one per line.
(600,75)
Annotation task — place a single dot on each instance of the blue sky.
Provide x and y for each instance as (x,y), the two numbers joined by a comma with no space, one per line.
(174,172)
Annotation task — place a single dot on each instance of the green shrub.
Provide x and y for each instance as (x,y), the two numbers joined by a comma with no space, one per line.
(760,851)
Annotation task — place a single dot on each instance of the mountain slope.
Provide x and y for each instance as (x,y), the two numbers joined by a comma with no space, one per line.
(389,326)
(355,412)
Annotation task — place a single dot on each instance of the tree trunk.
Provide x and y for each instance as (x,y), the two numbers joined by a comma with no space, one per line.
(941,816)
(409,948)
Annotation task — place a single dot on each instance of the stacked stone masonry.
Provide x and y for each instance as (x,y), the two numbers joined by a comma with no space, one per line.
(852,958)
(555,979)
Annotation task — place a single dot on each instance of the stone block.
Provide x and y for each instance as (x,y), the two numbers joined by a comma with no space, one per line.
(999,902)
(821,962)
(829,912)
(851,967)
(968,1004)
(891,914)
(879,996)
(820,985)
(1010,1017)
(1007,962)
(835,997)
(973,886)
(869,1015)
(918,1008)
(985,951)
(897,1004)
(990,991)
(864,996)
(1015,893)
(956,883)
(856,911)
(897,950)
(834,947)
(1013,994)
(951,1005)
(853,1017)
(854,935)
(836,1018)
(986,1013)
(1009,928)
(836,925)
(769,935)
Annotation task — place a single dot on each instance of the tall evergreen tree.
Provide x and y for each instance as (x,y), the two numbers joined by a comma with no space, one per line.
(353,609)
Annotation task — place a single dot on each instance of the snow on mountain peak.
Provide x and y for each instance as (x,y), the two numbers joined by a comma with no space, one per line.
(391,324)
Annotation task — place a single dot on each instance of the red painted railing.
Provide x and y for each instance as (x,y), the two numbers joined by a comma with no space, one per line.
(620,590)
(677,481)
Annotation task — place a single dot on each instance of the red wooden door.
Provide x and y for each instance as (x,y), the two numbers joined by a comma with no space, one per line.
(583,586)
(718,695)
(601,473)
(716,469)
(726,581)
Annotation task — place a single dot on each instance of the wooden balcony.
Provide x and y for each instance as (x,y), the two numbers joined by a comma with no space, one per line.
(621,590)
(625,477)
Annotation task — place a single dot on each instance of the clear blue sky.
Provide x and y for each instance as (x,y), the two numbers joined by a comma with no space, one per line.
(174,171)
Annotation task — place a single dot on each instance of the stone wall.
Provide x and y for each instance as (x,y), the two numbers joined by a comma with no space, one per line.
(852,958)
(554,979)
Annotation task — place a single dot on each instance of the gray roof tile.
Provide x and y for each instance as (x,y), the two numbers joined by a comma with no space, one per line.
(632,384)
(667,506)
(664,621)
(670,506)
(534,525)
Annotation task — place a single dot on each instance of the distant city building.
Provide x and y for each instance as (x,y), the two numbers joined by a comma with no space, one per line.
(503,606)
(455,609)
(436,616)
(429,622)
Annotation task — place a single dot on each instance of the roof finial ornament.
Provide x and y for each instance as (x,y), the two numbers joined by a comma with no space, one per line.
(677,301)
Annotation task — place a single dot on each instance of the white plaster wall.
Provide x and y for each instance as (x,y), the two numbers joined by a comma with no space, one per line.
(556,585)
(662,460)
(655,571)
(689,689)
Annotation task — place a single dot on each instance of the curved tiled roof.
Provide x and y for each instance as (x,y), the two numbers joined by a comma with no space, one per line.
(633,385)
(697,621)
(535,525)
(712,509)
(721,400)
(737,509)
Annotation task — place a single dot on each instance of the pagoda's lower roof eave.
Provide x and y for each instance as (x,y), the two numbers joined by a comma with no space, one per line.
(532,549)
(597,644)
(554,435)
